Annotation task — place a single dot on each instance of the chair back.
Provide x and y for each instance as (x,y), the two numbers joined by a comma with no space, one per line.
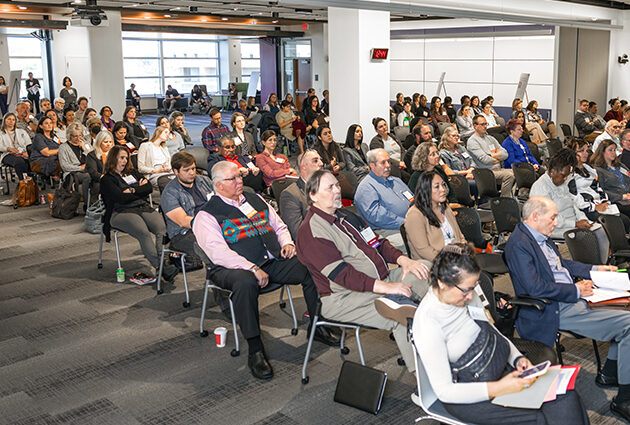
(566,130)
(533,147)
(486,183)
(487,286)
(348,183)
(500,121)
(583,246)
(499,133)
(403,233)
(524,174)
(616,232)
(460,187)
(470,224)
(277,186)
(554,146)
(401,132)
(507,214)
(200,154)
(442,126)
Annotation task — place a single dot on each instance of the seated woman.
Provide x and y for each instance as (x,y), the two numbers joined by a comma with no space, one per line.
(385,140)
(272,104)
(535,117)
(68,117)
(311,113)
(476,107)
(138,132)
(244,140)
(59,132)
(88,114)
(405,116)
(486,111)
(438,112)
(449,339)
(44,154)
(251,174)
(154,160)
(356,163)
(121,137)
(177,125)
(427,158)
(517,148)
(72,159)
(273,165)
(13,143)
(95,161)
(106,118)
(456,158)
(613,175)
(126,193)
(329,151)
(464,122)
(450,109)
(430,223)
(590,197)
(519,116)
(174,143)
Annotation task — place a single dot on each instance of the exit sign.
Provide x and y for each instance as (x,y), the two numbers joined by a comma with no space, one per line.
(379,54)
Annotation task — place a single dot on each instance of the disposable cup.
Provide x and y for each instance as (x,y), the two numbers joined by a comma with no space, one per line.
(220,336)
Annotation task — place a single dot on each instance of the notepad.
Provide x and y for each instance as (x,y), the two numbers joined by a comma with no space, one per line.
(611,280)
(604,295)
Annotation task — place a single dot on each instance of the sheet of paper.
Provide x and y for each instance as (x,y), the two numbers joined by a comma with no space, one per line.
(574,377)
(604,295)
(611,280)
(532,397)
(563,380)
(551,394)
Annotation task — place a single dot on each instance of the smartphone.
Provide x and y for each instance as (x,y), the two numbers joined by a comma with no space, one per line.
(539,369)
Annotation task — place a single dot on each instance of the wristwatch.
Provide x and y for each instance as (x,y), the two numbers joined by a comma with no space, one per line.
(255,268)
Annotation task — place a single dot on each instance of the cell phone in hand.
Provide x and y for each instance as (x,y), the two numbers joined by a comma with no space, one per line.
(539,369)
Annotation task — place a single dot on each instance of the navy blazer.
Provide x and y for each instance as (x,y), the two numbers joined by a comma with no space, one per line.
(532,275)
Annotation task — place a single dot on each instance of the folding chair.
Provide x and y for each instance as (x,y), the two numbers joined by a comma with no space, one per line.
(507,215)
(524,176)
(182,257)
(616,232)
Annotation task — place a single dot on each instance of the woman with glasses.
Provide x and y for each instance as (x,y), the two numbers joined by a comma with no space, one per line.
(517,148)
(450,329)
(273,165)
(430,222)
(106,118)
(456,158)
(72,158)
(244,140)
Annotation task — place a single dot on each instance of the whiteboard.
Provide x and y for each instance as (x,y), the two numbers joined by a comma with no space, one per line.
(253,83)
(15,83)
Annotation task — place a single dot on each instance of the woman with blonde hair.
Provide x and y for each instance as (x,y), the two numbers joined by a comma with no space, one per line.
(154,160)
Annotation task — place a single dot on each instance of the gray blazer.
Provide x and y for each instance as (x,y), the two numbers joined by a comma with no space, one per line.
(293,206)
(68,160)
(355,164)
(611,184)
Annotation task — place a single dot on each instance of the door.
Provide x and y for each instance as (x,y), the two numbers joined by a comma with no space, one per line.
(302,73)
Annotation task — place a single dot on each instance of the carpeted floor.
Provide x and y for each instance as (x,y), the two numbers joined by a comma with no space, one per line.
(76,347)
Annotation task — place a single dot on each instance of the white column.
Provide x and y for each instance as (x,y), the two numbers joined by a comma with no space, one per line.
(106,62)
(359,87)
(71,57)
(234,57)
(619,74)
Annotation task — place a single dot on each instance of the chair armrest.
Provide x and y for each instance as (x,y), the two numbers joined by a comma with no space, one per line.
(528,297)
(527,303)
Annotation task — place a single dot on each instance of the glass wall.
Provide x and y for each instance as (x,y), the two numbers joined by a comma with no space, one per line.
(25,53)
(153,61)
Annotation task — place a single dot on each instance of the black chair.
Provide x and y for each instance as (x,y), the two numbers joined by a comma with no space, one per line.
(583,246)
(616,232)
(566,130)
(554,146)
(500,133)
(486,183)
(524,176)
(279,185)
(507,215)
(201,157)
(403,233)
(460,187)
(533,147)
(348,184)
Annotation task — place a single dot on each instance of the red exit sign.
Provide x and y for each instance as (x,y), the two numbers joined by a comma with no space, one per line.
(379,54)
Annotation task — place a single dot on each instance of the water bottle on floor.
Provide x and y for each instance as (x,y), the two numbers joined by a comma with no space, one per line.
(120,276)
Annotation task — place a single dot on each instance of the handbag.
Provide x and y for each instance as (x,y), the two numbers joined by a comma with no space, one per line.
(26,193)
(94,217)
(361,387)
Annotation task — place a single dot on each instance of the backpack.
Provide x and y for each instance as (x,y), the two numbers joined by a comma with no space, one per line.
(26,193)
(66,200)
(94,217)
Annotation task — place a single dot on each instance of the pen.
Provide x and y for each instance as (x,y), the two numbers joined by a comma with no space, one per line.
(621,270)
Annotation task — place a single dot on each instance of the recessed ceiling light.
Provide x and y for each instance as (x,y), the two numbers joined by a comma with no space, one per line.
(204,19)
(22,7)
(77,2)
(235,9)
(260,13)
(275,21)
(147,17)
(224,19)
(167,16)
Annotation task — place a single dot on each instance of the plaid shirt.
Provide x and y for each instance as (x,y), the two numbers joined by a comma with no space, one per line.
(211,135)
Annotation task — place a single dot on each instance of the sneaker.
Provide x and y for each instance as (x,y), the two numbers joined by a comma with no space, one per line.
(142,279)
(396,307)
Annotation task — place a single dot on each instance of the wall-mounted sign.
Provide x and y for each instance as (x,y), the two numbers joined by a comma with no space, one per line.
(379,54)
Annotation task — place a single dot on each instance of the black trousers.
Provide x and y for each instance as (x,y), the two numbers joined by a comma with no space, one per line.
(566,409)
(245,289)
(34,103)
(184,243)
(255,182)
(19,164)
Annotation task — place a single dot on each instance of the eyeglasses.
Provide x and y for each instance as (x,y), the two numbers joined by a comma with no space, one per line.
(232,179)
(229,147)
(467,291)
(616,127)
(485,124)
(456,136)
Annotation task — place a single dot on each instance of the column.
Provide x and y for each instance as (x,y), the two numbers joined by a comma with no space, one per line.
(359,87)
(234,57)
(619,74)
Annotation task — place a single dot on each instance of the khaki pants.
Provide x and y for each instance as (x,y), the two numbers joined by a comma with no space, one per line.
(346,305)
(506,178)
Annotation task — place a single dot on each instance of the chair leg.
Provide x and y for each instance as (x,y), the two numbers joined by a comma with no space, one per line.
(100,251)
(597,357)
(342,347)
(236,351)
(308,350)
(282,303)
(559,350)
(159,277)
(356,332)
(294,331)
(117,249)
(203,333)
(186,304)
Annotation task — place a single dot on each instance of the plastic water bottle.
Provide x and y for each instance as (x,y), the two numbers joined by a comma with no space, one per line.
(286,151)
(120,276)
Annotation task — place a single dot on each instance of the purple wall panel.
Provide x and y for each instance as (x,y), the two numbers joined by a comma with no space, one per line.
(268,67)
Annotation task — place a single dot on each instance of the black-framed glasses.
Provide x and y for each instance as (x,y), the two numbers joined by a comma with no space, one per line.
(232,179)
(467,291)
(616,127)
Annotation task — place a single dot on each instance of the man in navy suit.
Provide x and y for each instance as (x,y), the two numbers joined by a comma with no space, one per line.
(537,269)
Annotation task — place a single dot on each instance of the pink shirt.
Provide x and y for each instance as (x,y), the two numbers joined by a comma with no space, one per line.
(209,236)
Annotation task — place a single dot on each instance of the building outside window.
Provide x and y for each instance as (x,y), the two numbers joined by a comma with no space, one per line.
(25,53)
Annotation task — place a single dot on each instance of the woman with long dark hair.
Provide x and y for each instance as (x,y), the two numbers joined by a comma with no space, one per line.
(139,132)
(13,144)
(356,163)
(329,150)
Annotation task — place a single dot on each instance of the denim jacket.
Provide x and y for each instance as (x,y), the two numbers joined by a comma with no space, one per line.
(175,196)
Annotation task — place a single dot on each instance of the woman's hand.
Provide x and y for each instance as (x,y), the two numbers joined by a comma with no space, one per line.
(524,364)
(143,181)
(292,171)
(509,384)
(601,207)
(336,168)
(626,196)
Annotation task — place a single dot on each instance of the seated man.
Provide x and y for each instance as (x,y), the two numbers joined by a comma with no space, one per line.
(252,177)
(488,153)
(349,264)
(537,270)
(133,97)
(170,98)
(587,125)
(293,205)
(44,106)
(421,133)
(383,200)
(249,247)
(25,121)
(612,131)
(212,133)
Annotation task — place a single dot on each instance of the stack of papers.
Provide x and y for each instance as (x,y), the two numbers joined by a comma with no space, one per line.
(608,286)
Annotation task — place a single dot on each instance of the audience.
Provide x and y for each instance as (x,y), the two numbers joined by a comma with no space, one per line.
(137,131)
(349,264)
(44,106)
(273,165)
(272,104)
(399,105)
(534,116)
(13,146)
(311,113)
(25,121)
(456,158)
(613,176)
(244,140)
(251,175)
(450,110)
(430,223)
(44,158)
(421,134)
(68,93)
(538,270)
(198,96)
(612,131)
(355,160)
(405,117)
(593,110)
(464,122)
(517,148)
(133,97)
(82,105)
(174,141)
(329,150)
(588,127)
(614,113)
(95,161)
(488,153)
(68,118)
(33,84)
(72,158)
(486,112)
(58,131)
(176,120)
(476,107)
(426,158)
(438,112)
(422,110)
(106,118)
(285,119)
(213,132)
(170,99)
(624,139)
(154,160)
(385,140)
(449,335)
(251,261)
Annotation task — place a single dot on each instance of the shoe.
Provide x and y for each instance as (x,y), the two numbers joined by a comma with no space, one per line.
(142,279)
(606,381)
(169,272)
(259,366)
(396,307)
(621,409)
(323,335)
(224,303)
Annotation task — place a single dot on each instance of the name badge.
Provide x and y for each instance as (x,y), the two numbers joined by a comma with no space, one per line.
(587,120)
(250,165)
(393,143)
(209,195)
(237,141)
(425,113)
(130,179)
(143,127)
(327,119)
(477,313)
(130,145)
(465,155)
(369,236)
(441,161)
(444,113)
(627,173)
(279,160)
(248,210)
(408,195)
(56,140)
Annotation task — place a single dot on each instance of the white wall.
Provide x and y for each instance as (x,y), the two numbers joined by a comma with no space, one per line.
(70,48)
(318,33)
(234,58)
(474,66)
(619,74)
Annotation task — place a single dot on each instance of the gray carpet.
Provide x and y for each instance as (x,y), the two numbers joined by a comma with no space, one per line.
(76,347)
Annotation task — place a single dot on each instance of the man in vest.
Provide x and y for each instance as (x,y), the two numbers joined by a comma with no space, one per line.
(249,246)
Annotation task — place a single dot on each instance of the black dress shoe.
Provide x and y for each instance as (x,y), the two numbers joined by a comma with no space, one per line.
(259,366)
(169,272)
(606,381)
(621,409)
(323,335)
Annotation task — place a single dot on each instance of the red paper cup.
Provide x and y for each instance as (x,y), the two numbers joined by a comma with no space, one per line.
(220,336)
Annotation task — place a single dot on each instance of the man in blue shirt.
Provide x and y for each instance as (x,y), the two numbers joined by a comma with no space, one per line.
(537,269)
(383,200)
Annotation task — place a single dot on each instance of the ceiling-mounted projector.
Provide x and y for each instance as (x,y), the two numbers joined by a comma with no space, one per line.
(89,15)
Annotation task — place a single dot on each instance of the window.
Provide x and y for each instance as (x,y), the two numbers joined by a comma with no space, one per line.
(153,61)
(25,53)
(250,59)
